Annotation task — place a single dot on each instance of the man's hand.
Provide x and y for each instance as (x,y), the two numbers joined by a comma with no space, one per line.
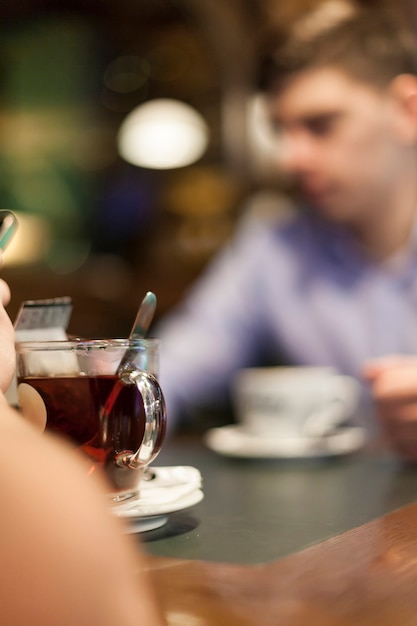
(394,388)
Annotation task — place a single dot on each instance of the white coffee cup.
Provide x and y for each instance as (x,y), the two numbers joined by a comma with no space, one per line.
(293,401)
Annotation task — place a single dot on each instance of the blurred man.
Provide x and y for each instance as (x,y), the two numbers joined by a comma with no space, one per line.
(337,285)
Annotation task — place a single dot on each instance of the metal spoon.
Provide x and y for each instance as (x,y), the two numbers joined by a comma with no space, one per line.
(140,327)
(144,316)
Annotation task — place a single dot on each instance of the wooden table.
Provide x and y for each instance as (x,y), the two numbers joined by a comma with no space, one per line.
(365,577)
(290,543)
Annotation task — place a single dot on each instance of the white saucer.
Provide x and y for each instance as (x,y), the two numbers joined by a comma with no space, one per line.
(234,441)
(139,524)
(169,489)
(142,525)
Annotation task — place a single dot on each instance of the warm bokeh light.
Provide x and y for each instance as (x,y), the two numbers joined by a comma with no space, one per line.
(264,143)
(163,134)
(30,243)
(201,191)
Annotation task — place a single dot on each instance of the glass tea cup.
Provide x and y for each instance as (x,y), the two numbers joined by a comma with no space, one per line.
(117,418)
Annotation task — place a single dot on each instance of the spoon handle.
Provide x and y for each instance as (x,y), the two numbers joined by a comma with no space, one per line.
(144,316)
(140,327)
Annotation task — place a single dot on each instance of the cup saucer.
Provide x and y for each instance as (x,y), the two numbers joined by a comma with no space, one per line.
(167,490)
(234,441)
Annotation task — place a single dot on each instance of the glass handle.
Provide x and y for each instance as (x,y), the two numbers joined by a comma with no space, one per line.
(155,419)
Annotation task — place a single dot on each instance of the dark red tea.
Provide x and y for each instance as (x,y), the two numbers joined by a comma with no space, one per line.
(74,406)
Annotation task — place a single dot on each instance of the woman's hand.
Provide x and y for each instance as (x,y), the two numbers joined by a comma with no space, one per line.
(7,341)
(32,406)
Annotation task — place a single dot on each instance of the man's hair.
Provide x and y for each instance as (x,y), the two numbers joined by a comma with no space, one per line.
(373,45)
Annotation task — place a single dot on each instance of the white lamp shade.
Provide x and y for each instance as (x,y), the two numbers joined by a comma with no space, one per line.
(163,134)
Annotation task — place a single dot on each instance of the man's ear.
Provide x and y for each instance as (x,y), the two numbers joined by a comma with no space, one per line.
(403,90)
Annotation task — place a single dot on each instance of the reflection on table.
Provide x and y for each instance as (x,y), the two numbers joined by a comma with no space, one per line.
(365,577)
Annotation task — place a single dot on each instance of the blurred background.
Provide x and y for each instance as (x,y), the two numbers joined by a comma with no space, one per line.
(131,139)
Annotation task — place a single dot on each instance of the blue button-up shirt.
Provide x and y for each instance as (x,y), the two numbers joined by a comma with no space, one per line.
(298,292)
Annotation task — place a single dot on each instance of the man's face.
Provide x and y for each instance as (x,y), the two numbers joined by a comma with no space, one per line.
(337,140)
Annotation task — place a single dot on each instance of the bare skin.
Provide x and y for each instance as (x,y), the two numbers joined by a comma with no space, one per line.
(393,382)
(352,151)
(8,356)
(65,560)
